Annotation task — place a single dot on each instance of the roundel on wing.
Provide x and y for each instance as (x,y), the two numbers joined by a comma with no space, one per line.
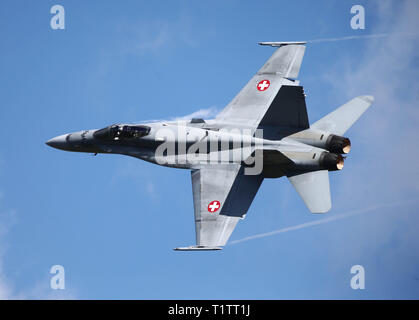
(213,206)
(263,85)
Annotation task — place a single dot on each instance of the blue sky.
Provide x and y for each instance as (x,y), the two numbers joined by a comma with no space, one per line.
(112,221)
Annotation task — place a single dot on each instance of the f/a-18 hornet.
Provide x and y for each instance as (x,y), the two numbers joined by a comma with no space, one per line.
(263,132)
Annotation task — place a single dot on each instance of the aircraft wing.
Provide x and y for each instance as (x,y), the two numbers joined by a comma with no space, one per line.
(257,96)
(222,194)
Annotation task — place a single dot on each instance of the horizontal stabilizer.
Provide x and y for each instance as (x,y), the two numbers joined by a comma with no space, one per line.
(197,248)
(314,189)
(340,120)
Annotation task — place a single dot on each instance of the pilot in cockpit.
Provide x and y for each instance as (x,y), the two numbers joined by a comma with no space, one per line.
(119,132)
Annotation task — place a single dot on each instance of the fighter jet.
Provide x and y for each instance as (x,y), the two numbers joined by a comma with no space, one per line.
(264,132)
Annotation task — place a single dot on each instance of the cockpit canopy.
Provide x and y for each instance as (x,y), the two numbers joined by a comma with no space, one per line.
(120,132)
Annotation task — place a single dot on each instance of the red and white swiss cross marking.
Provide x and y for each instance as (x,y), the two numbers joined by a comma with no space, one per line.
(263,85)
(214,206)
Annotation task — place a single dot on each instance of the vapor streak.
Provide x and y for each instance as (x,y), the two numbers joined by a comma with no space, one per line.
(322,221)
(366,36)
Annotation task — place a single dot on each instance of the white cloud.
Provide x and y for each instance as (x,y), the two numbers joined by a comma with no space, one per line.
(7,220)
(41,290)
(382,167)
(383,161)
(388,70)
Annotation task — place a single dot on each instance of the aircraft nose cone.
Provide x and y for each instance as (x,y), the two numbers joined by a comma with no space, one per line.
(57,142)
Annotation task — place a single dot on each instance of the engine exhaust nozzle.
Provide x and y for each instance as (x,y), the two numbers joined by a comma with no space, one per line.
(338,144)
(331,161)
